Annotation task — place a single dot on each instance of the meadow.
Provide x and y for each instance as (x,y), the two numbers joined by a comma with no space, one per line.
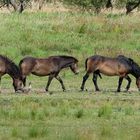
(70,115)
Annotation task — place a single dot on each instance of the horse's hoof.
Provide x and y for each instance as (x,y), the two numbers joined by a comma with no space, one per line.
(18,91)
(64,90)
(118,91)
(127,89)
(81,89)
(46,90)
(97,90)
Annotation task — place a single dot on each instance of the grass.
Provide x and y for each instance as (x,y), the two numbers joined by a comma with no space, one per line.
(70,115)
(20,122)
(43,34)
(105,111)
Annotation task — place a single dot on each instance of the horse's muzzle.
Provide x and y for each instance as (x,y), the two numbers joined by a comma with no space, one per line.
(24,89)
(19,91)
(77,72)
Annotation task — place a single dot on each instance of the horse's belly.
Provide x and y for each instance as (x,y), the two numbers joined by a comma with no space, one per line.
(40,72)
(109,72)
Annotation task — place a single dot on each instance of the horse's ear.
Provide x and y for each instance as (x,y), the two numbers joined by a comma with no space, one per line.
(76,60)
(131,60)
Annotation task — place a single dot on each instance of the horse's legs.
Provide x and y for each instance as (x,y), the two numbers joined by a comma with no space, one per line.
(24,81)
(119,84)
(95,81)
(49,82)
(61,82)
(129,82)
(84,80)
(0,84)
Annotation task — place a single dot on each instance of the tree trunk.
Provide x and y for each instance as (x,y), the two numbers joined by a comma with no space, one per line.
(14,5)
(21,7)
(109,4)
(130,6)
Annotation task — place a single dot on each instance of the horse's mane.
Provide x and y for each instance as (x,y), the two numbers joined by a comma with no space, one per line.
(68,57)
(11,67)
(135,67)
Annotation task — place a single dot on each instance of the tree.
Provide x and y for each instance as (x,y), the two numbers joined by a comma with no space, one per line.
(130,6)
(109,4)
(17,6)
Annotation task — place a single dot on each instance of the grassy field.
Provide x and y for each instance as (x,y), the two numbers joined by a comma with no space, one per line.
(80,35)
(70,115)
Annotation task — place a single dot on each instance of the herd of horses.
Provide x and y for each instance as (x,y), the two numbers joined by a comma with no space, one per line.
(120,66)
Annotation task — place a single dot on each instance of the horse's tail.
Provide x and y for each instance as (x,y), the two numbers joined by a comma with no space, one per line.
(86,64)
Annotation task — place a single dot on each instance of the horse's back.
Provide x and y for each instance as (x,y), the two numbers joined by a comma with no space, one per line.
(107,65)
(2,65)
(38,66)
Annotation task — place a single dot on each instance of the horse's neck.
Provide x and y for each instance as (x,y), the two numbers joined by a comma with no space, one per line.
(66,63)
(136,72)
(11,72)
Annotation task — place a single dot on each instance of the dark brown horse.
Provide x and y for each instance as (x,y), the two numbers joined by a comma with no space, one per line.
(7,66)
(50,66)
(120,66)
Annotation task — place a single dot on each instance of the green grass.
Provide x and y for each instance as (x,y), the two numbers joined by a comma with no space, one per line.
(44,34)
(80,120)
(70,115)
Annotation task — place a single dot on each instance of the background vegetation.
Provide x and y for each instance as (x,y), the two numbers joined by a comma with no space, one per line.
(81,35)
(84,5)
(69,115)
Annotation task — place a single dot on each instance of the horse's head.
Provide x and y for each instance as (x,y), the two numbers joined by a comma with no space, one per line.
(74,67)
(135,71)
(17,84)
(138,83)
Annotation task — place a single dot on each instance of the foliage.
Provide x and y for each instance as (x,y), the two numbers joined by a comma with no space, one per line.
(97,4)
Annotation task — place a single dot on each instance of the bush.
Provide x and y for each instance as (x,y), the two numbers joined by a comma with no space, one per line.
(87,4)
(97,4)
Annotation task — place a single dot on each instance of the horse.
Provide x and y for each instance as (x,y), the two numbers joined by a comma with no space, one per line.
(120,66)
(7,66)
(50,66)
